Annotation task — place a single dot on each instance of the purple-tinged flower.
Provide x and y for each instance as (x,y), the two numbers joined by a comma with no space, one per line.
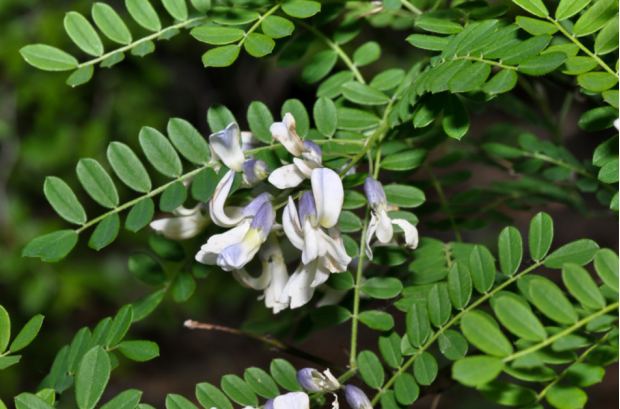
(357,398)
(380,223)
(227,146)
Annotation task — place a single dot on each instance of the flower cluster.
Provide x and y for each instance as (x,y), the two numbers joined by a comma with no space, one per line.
(311,224)
(314,381)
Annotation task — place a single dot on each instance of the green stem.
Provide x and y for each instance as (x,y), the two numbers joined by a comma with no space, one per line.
(583,47)
(561,376)
(567,165)
(258,23)
(153,36)
(448,325)
(343,56)
(444,203)
(411,7)
(496,64)
(383,126)
(357,288)
(561,334)
(190,175)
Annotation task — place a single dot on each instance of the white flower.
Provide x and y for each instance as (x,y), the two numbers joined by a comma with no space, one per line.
(274,275)
(285,133)
(380,223)
(292,175)
(322,253)
(293,400)
(217,202)
(236,247)
(187,223)
(227,146)
(318,209)
(617,124)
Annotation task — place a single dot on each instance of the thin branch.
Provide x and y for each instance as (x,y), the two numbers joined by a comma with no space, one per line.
(496,64)
(190,175)
(411,7)
(561,334)
(357,289)
(562,375)
(258,23)
(142,40)
(448,325)
(278,345)
(583,47)
(343,56)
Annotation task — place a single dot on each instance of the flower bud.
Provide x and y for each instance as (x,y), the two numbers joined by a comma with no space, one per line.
(313,381)
(357,398)
(255,171)
(375,193)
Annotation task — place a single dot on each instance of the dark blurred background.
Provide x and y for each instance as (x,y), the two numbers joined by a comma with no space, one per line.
(46,127)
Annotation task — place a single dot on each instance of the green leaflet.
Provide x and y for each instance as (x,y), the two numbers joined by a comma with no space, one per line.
(63,200)
(536,7)
(484,334)
(370,369)
(363,94)
(128,167)
(519,319)
(144,14)
(550,300)
(27,334)
(83,34)
(110,23)
(325,116)
(477,371)
(580,252)
(581,285)
(221,56)
(510,248)
(160,153)
(367,53)
(217,35)
(595,17)
(210,396)
(97,182)
(540,236)
(92,377)
(176,8)
(568,8)
(482,268)
(105,232)
(258,45)
(53,246)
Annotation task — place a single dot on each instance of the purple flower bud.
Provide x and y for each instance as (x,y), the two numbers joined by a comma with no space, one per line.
(357,398)
(255,171)
(307,206)
(269,404)
(251,209)
(374,192)
(313,151)
(307,380)
(264,219)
